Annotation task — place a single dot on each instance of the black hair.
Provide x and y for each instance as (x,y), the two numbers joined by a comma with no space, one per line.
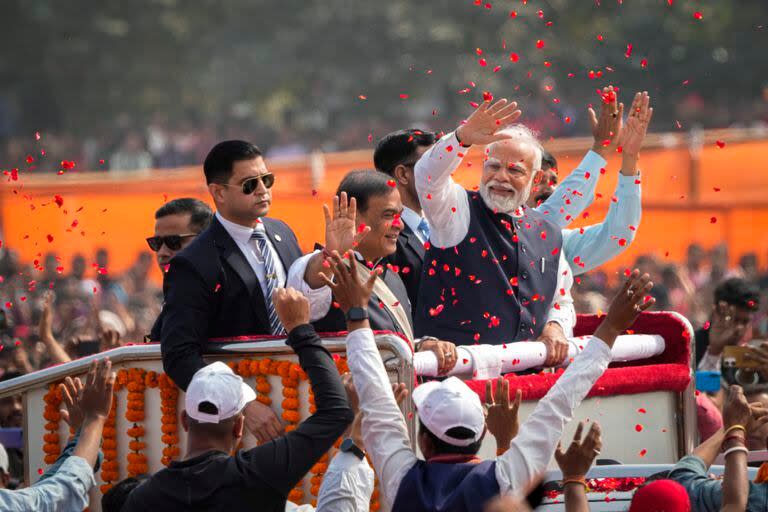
(399,148)
(363,185)
(114,499)
(547,160)
(443,448)
(200,213)
(738,292)
(218,164)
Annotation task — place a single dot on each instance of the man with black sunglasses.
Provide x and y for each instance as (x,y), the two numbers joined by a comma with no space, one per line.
(177,223)
(221,284)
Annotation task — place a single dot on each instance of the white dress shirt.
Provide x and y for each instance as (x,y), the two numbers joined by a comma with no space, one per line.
(347,487)
(412,220)
(446,207)
(320,299)
(385,433)
(242,237)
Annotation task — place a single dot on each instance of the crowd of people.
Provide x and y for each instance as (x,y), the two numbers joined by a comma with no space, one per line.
(406,250)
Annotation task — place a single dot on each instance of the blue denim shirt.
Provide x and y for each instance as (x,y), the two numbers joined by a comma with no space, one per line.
(63,487)
(706,494)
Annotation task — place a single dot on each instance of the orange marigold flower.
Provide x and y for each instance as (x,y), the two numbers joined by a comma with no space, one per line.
(291,416)
(290,403)
(169,429)
(136,431)
(136,445)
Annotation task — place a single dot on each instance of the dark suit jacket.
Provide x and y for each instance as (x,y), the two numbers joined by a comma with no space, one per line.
(409,255)
(211,291)
(380,318)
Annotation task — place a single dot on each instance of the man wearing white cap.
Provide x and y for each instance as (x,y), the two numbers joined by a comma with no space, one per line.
(209,478)
(452,421)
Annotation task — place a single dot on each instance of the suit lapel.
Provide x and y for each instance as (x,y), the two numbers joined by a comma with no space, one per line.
(231,253)
(412,241)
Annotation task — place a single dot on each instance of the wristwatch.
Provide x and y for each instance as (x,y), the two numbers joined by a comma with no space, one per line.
(357,314)
(349,446)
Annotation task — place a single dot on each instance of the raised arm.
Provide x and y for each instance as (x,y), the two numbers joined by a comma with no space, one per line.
(736,417)
(574,464)
(385,434)
(87,408)
(341,234)
(443,201)
(286,460)
(592,246)
(56,352)
(532,449)
(577,191)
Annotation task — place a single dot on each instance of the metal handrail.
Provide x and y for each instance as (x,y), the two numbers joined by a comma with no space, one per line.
(147,351)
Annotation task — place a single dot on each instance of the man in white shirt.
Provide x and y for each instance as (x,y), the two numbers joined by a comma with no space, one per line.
(221,284)
(452,418)
(497,272)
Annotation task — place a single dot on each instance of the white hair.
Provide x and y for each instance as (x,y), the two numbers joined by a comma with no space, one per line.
(521,133)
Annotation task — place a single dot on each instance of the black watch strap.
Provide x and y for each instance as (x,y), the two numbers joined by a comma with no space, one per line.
(357,314)
(349,446)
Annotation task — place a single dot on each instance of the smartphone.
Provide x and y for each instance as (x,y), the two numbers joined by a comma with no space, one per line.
(88,348)
(733,357)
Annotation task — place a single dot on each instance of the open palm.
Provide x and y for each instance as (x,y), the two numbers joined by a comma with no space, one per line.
(633,134)
(341,233)
(485,123)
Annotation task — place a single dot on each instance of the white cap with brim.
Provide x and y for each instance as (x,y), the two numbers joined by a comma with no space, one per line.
(449,404)
(218,385)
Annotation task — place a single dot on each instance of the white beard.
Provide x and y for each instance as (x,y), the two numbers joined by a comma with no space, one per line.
(503,204)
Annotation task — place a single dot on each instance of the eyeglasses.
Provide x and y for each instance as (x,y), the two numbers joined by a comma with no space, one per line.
(252,184)
(173,242)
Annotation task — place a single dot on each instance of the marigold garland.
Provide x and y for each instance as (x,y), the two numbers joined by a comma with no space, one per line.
(169,397)
(136,380)
(109,467)
(52,445)
(136,383)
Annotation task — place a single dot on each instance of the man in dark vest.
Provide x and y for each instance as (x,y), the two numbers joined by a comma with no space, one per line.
(221,284)
(451,417)
(367,208)
(396,154)
(494,272)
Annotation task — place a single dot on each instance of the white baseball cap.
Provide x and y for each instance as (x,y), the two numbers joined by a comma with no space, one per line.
(449,404)
(217,384)
(4,464)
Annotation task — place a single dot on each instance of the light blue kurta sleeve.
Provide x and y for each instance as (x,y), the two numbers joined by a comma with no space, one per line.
(589,247)
(575,193)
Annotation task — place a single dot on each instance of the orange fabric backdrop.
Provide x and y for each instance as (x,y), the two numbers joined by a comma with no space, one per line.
(116,209)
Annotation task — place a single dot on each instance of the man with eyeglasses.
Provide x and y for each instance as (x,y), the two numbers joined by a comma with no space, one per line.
(177,223)
(221,284)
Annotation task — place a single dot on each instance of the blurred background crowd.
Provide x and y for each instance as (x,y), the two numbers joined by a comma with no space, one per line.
(275,73)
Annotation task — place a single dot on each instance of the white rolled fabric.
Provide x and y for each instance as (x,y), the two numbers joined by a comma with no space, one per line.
(490,361)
